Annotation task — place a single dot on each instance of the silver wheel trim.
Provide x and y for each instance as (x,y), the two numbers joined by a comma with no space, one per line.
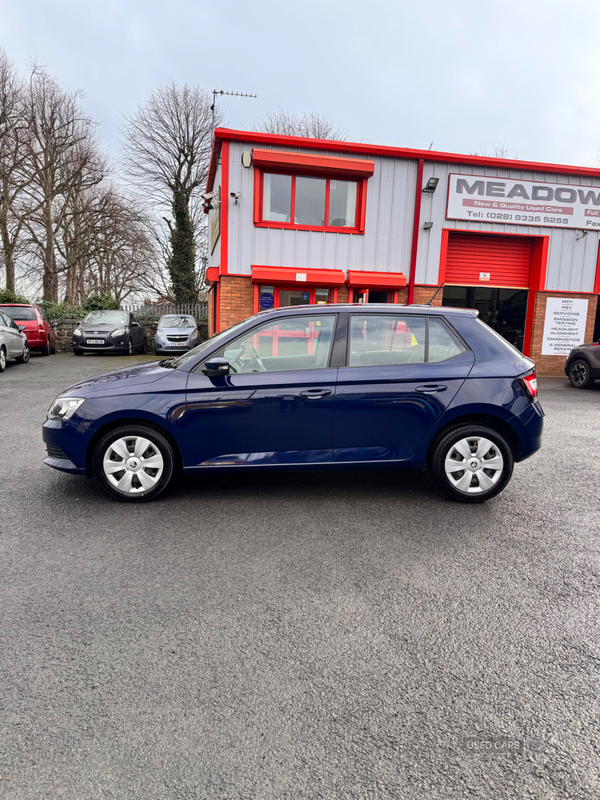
(26,352)
(474,465)
(133,464)
(2,357)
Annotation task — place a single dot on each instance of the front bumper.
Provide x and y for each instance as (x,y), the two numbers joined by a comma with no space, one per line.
(65,446)
(119,346)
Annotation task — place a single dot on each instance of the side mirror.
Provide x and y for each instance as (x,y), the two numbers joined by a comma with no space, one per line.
(54,324)
(216,366)
(22,327)
(135,324)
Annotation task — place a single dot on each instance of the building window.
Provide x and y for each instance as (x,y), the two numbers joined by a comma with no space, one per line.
(277,297)
(306,202)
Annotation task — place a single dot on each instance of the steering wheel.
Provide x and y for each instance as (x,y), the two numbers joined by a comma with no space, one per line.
(248,358)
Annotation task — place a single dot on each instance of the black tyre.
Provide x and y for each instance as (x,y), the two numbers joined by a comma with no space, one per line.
(77,351)
(472,463)
(2,359)
(144,347)
(134,463)
(23,359)
(580,374)
(45,351)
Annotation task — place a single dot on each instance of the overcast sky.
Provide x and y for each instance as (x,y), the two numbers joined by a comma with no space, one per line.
(463,74)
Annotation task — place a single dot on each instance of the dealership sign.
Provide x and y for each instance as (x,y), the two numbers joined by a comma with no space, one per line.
(516,202)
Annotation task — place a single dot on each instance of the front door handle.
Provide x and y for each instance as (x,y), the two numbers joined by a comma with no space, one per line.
(431,388)
(315,394)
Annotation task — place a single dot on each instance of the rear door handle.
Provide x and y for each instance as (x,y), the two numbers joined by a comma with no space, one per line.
(431,388)
(315,394)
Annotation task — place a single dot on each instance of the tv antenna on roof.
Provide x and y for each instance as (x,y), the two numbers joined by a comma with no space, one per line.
(221,92)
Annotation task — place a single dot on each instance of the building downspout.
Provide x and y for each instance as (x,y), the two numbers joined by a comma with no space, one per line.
(415,234)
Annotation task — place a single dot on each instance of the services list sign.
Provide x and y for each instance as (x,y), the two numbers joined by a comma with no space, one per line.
(564,325)
(517,202)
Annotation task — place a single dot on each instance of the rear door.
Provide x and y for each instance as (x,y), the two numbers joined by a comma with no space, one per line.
(402,371)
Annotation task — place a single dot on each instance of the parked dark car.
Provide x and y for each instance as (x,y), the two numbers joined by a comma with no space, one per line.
(13,342)
(583,365)
(113,331)
(311,387)
(36,325)
(176,333)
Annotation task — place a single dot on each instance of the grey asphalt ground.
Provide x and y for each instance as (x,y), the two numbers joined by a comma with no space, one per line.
(298,636)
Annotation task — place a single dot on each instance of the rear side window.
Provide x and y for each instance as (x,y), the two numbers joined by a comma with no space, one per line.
(42,313)
(386,340)
(389,340)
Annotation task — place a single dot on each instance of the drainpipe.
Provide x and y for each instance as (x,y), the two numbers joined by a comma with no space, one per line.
(415,235)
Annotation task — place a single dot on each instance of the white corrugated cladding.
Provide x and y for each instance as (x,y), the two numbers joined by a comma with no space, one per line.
(571,261)
(214,259)
(384,247)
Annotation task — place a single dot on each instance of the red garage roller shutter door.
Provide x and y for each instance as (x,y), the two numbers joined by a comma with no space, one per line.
(506,258)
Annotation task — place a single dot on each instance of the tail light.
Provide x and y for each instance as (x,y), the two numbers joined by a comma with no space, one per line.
(529,384)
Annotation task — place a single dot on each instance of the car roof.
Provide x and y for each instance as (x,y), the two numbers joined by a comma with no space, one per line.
(378,308)
(18,305)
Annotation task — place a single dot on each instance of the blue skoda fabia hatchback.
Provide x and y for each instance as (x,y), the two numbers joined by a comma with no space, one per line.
(311,387)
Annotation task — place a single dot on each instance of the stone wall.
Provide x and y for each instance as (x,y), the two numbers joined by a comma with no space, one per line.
(65,327)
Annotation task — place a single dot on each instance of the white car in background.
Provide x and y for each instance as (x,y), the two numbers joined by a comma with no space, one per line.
(13,342)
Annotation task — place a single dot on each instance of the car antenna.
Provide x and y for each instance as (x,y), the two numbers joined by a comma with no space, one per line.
(441,286)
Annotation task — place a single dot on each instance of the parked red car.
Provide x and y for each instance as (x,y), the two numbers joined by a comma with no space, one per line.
(38,329)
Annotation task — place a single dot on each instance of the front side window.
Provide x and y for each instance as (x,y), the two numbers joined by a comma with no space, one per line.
(295,343)
(309,202)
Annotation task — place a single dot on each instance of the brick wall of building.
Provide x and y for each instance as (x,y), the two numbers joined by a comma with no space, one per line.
(554,366)
(423,294)
(211,298)
(236,300)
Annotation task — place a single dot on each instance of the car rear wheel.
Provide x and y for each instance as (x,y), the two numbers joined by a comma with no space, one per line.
(2,359)
(134,463)
(45,351)
(144,347)
(580,374)
(77,351)
(472,463)
(24,358)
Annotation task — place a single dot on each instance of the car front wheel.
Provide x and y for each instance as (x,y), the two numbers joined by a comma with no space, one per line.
(472,463)
(2,359)
(134,463)
(580,374)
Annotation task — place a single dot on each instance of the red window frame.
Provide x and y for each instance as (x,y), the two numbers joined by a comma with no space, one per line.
(293,288)
(361,202)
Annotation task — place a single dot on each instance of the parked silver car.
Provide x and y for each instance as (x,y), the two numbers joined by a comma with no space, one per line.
(176,333)
(13,342)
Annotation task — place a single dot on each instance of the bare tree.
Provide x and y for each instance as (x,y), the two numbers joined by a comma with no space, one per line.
(13,153)
(61,154)
(310,124)
(499,150)
(167,145)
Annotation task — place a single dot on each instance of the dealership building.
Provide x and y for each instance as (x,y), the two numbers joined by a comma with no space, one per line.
(295,220)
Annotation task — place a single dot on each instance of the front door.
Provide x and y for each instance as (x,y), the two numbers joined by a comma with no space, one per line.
(403,371)
(275,407)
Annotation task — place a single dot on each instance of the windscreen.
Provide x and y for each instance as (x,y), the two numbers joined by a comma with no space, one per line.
(174,321)
(106,318)
(20,313)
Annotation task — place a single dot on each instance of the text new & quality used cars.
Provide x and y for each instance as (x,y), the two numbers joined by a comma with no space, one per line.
(311,387)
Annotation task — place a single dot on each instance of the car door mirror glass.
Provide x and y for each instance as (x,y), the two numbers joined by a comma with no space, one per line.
(216,366)
(22,327)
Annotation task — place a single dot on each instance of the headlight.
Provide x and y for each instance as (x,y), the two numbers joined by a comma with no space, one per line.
(119,332)
(64,407)
(194,334)
(76,332)
(160,337)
